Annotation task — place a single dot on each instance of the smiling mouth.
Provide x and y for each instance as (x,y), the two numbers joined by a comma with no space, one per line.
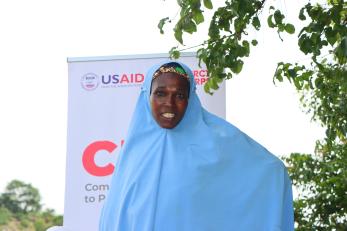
(168,115)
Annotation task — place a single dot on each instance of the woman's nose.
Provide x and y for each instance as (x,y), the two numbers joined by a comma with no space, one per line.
(170,100)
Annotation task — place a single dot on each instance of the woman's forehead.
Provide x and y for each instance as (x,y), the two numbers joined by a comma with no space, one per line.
(171,80)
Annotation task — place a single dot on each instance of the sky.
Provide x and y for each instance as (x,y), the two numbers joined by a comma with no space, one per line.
(36,38)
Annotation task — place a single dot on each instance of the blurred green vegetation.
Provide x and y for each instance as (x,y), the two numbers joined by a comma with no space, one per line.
(21,209)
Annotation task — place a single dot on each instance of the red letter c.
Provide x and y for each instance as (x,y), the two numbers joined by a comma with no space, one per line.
(89,155)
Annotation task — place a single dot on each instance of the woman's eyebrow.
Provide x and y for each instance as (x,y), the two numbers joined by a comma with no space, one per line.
(166,86)
(160,87)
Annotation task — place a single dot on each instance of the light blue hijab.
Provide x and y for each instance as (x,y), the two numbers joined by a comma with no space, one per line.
(202,175)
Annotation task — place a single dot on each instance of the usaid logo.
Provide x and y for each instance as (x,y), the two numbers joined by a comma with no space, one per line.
(90,81)
(125,79)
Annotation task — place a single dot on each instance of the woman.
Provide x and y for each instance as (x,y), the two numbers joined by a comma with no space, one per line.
(183,168)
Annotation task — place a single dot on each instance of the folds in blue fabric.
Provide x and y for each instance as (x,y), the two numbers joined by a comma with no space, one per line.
(204,175)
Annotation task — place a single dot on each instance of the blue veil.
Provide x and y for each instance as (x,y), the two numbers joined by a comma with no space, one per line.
(204,174)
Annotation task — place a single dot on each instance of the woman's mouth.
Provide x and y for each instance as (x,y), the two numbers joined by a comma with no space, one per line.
(168,115)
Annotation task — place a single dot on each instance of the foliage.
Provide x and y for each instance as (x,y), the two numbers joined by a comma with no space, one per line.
(321,178)
(325,81)
(324,93)
(5,215)
(20,197)
(20,209)
(322,183)
(228,43)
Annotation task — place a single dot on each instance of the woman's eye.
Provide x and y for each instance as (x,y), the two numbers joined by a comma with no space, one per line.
(159,93)
(181,96)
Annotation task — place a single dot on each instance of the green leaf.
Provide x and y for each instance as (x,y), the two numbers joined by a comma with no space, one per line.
(198,17)
(207,87)
(292,73)
(306,75)
(302,16)
(236,66)
(213,31)
(331,35)
(318,82)
(341,51)
(201,54)
(278,17)
(229,75)
(298,84)
(239,66)
(213,83)
(280,27)
(254,42)
(208,4)
(256,23)
(278,74)
(269,22)
(162,23)
(194,4)
(189,26)
(336,15)
(220,79)
(305,44)
(246,48)
(174,53)
(289,28)
(178,35)
(239,25)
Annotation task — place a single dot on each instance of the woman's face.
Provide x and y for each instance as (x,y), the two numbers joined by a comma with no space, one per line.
(169,99)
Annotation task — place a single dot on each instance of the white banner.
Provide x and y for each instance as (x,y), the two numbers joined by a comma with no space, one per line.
(102,96)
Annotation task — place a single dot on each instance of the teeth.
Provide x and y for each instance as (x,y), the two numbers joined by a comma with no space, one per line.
(168,115)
